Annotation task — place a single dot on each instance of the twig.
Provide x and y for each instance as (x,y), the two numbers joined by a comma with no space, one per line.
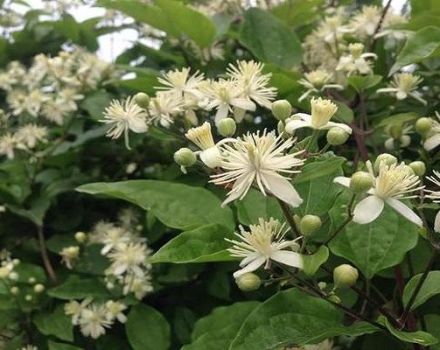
(346,221)
(45,256)
(289,217)
(379,24)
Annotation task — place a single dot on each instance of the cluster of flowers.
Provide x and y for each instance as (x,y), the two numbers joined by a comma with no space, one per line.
(50,88)
(93,318)
(126,251)
(7,266)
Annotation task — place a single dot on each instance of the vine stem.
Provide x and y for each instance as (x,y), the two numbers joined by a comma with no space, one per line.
(45,256)
(289,217)
(345,223)
(379,24)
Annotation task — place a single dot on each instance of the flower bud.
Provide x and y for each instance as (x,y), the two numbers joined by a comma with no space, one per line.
(15,290)
(4,272)
(389,144)
(39,288)
(345,276)
(248,282)
(322,285)
(281,109)
(226,127)
(334,299)
(185,157)
(418,167)
(280,127)
(386,158)
(309,224)
(336,136)
(13,276)
(28,297)
(423,125)
(80,237)
(31,280)
(405,140)
(16,262)
(361,181)
(142,99)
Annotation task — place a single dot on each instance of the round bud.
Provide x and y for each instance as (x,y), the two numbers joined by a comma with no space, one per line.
(281,109)
(32,280)
(28,297)
(423,125)
(309,224)
(185,157)
(345,276)
(322,285)
(4,272)
(248,282)
(280,127)
(80,237)
(409,170)
(334,299)
(389,144)
(38,288)
(361,181)
(142,99)
(405,140)
(386,158)
(15,290)
(13,276)
(16,262)
(336,136)
(418,167)
(226,127)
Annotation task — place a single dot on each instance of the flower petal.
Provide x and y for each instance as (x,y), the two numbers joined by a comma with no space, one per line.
(432,142)
(252,266)
(288,258)
(368,209)
(222,113)
(282,189)
(292,125)
(137,125)
(342,126)
(405,211)
(342,180)
(437,222)
(243,104)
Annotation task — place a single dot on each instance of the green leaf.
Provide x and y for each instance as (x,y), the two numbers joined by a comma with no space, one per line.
(269,39)
(204,244)
(398,119)
(314,261)
(364,82)
(216,331)
(255,205)
(56,323)
(145,84)
(422,45)
(418,337)
(61,346)
(297,13)
(323,166)
(430,287)
(418,6)
(293,318)
(376,246)
(79,288)
(95,103)
(344,114)
(433,327)
(176,205)
(26,271)
(147,329)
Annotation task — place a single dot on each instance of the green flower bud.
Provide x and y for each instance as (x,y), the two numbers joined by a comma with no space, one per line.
(395,131)
(423,125)
(185,157)
(386,158)
(409,170)
(361,181)
(322,285)
(281,109)
(142,99)
(280,127)
(334,298)
(345,276)
(248,282)
(405,140)
(336,136)
(309,224)
(32,280)
(418,167)
(80,237)
(227,127)
(15,290)
(28,297)
(39,288)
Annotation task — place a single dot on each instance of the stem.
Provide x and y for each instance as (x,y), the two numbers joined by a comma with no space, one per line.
(45,256)
(289,217)
(345,223)
(379,24)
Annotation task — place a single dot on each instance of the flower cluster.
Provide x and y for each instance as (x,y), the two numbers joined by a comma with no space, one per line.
(7,266)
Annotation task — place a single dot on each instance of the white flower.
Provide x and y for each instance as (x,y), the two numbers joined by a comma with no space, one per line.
(7,144)
(29,347)
(69,255)
(93,321)
(262,243)
(317,81)
(55,111)
(164,106)
(435,196)
(392,184)
(325,345)
(365,22)
(223,95)
(202,137)
(404,85)
(74,309)
(258,159)
(356,61)
(128,258)
(113,238)
(179,82)
(138,285)
(319,119)
(123,117)
(433,137)
(114,311)
(29,135)
(252,82)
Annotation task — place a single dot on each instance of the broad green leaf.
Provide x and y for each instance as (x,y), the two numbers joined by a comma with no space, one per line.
(363,82)
(269,39)
(61,346)
(423,44)
(376,246)
(430,287)
(79,288)
(314,261)
(293,318)
(418,6)
(255,205)
(296,13)
(319,167)
(147,329)
(176,205)
(56,323)
(418,337)
(433,327)
(26,271)
(344,114)
(203,244)
(218,329)
(398,119)
(145,84)
(95,103)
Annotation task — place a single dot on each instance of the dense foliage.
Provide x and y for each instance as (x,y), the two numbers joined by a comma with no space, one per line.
(248,175)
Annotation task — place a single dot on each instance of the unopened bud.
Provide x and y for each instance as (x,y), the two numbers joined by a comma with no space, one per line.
(28,297)
(142,99)
(80,237)
(16,262)
(280,127)
(248,282)
(418,167)
(13,276)
(322,285)
(345,276)
(405,140)
(361,181)
(15,290)
(336,136)
(310,224)
(334,299)
(423,125)
(386,158)
(39,288)
(226,127)
(32,280)
(389,144)
(281,109)
(4,272)
(185,157)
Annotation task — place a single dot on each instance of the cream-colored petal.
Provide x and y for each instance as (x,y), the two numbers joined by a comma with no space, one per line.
(342,126)
(405,211)
(368,209)
(342,180)
(292,125)
(252,266)
(437,222)
(432,142)
(282,189)
(288,258)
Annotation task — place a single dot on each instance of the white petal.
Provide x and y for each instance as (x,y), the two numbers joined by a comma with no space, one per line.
(137,125)
(240,188)
(296,124)
(432,142)
(405,211)
(342,180)
(368,209)
(282,189)
(211,157)
(288,258)
(222,113)
(244,104)
(254,265)
(342,126)
(437,223)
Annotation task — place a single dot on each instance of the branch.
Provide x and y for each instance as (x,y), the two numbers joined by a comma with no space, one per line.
(379,24)
(45,256)
(289,217)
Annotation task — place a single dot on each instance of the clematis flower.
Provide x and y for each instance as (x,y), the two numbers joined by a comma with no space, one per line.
(258,159)
(392,184)
(356,62)
(202,137)
(317,81)
(433,138)
(180,82)
(404,85)
(262,243)
(435,196)
(319,119)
